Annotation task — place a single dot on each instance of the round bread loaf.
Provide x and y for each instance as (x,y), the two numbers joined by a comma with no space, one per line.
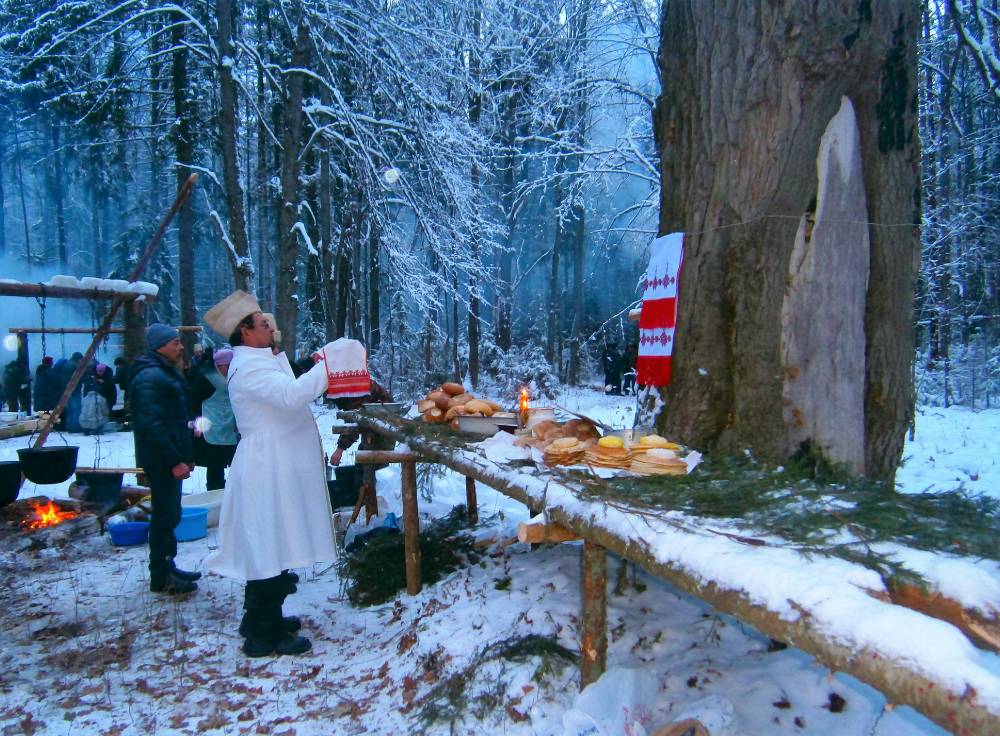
(453,389)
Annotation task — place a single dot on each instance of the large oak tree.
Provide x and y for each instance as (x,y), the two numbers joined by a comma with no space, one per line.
(789,156)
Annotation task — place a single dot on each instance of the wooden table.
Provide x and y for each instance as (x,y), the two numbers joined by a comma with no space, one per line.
(901,681)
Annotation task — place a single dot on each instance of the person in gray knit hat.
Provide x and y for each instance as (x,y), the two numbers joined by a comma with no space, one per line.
(164,450)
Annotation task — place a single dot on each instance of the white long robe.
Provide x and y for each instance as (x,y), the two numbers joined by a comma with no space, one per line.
(275,512)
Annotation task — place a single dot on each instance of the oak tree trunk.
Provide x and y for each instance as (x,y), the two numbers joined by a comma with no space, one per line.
(184,150)
(237,248)
(286,293)
(796,292)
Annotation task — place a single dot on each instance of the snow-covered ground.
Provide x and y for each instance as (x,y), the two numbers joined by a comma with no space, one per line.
(87,649)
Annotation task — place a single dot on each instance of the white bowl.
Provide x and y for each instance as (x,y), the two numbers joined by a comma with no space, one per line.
(211,500)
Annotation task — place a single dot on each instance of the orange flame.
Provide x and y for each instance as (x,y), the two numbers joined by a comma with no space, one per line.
(48,515)
(522,406)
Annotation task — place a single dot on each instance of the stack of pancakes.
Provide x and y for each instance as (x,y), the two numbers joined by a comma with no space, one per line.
(609,452)
(564,451)
(608,457)
(658,461)
(652,441)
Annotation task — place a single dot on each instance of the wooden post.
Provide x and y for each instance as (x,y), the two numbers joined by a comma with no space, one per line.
(371,497)
(594,614)
(411,528)
(470,500)
(116,303)
(135,331)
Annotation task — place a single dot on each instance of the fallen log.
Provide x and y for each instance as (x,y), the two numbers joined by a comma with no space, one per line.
(982,631)
(380,457)
(541,533)
(903,682)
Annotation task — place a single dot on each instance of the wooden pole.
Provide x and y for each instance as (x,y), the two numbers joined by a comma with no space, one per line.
(87,330)
(594,614)
(67,292)
(381,457)
(109,318)
(470,500)
(135,331)
(411,528)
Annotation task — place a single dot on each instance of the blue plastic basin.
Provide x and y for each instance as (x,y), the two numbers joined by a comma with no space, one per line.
(129,533)
(194,524)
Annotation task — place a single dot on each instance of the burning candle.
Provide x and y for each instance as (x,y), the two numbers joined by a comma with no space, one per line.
(522,407)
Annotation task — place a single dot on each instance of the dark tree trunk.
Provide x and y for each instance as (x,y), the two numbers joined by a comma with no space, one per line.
(578,229)
(286,307)
(475,111)
(3,199)
(328,254)
(262,197)
(552,318)
(184,150)
(792,328)
(374,290)
(20,186)
(237,247)
(57,192)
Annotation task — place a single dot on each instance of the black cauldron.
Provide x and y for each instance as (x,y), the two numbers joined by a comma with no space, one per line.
(102,489)
(10,481)
(48,464)
(344,488)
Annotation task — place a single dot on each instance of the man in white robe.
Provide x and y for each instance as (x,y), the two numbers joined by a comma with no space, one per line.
(275,512)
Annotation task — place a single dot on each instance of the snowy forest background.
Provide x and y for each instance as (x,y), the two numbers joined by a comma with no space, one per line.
(466,185)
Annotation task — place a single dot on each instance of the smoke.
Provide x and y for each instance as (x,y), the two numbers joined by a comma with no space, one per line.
(19,311)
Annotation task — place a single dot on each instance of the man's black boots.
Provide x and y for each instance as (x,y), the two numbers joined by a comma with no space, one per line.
(184,574)
(171,584)
(265,630)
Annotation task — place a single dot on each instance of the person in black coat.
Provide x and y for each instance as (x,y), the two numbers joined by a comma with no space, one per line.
(163,444)
(15,381)
(46,385)
(104,384)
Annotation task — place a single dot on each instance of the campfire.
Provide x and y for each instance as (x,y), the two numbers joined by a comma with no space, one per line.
(33,523)
(46,515)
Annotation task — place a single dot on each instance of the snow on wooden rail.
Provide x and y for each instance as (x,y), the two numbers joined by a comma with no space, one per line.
(820,605)
(86,289)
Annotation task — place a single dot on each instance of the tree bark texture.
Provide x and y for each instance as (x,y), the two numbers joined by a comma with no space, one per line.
(237,248)
(286,297)
(411,527)
(593,613)
(184,150)
(749,90)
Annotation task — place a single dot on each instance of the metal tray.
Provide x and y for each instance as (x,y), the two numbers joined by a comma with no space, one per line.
(487,426)
(394,408)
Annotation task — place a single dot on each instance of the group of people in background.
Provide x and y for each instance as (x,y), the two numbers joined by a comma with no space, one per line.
(21,393)
(619,369)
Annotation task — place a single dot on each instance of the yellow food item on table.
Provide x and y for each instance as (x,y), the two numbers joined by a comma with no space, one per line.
(611,441)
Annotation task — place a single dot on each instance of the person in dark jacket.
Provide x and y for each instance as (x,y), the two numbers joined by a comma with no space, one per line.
(15,380)
(104,383)
(369,440)
(71,414)
(208,397)
(163,443)
(46,385)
